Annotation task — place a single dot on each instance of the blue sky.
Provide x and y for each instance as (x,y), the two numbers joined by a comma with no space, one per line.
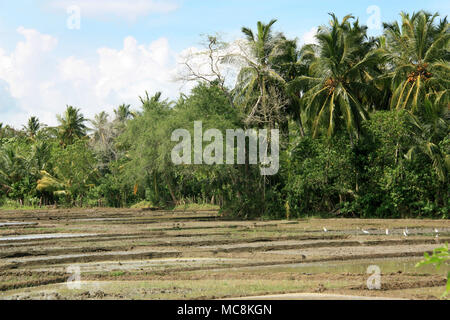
(46,62)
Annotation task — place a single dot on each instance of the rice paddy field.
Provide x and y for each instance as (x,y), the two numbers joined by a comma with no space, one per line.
(142,254)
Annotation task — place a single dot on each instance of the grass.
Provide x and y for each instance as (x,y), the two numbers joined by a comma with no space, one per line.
(142,205)
(191,289)
(185,207)
(196,206)
(13,205)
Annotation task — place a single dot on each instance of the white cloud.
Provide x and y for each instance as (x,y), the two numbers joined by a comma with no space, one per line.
(125,74)
(26,70)
(42,84)
(310,36)
(130,9)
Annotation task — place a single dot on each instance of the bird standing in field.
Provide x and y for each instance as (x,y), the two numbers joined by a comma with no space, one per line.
(387,232)
(437,232)
(365,231)
(405,232)
(325,229)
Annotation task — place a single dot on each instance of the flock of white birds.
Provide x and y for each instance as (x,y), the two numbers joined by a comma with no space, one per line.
(405,232)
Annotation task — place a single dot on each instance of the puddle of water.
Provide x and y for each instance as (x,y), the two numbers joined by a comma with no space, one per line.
(46,236)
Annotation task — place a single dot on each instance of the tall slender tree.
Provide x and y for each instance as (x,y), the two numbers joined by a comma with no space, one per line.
(32,127)
(418,52)
(71,125)
(260,87)
(340,77)
(123,113)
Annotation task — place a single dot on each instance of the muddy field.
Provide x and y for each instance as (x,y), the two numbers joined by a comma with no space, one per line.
(139,254)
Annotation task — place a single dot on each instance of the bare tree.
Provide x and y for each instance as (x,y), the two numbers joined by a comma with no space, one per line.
(208,65)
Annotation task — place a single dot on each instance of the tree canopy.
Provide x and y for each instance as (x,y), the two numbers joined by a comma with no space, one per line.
(364,124)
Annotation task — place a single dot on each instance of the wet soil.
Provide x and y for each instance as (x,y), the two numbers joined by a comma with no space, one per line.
(198,255)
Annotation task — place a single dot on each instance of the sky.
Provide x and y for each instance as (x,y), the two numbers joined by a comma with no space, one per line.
(98,54)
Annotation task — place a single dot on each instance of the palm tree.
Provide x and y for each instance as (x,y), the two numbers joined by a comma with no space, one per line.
(260,88)
(13,167)
(338,88)
(419,55)
(103,137)
(302,60)
(101,126)
(7,131)
(40,156)
(123,113)
(150,103)
(431,129)
(262,42)
(71,125)
(32,127)
(6,162)
(419,59)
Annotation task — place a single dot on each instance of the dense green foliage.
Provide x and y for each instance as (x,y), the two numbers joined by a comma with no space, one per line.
(364,125)
(439,257)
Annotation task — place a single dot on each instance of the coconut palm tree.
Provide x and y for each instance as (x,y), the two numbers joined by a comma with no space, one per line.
(154,102)
(32,127)
(260,86)
(338,88)
(430,129)
(304,58)
(13,167)
(123,113)
(71,125)
(102,139)
(101,126)
(418,52)
(8,132)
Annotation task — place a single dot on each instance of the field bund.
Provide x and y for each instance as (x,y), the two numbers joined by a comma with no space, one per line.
(139,254)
